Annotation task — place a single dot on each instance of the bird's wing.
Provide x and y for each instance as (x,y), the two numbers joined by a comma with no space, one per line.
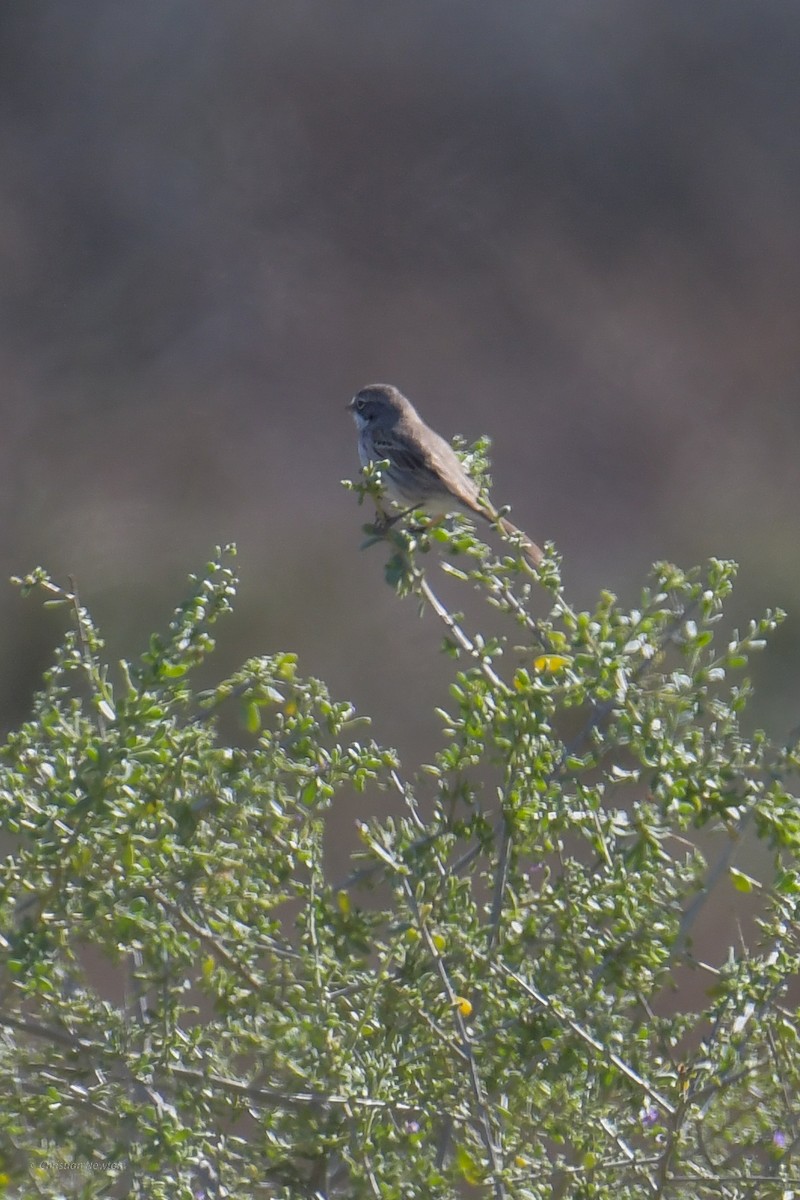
(443,461)
(399,450)
(430,462)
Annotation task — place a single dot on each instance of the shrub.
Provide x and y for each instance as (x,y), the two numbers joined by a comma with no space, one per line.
(192,1007)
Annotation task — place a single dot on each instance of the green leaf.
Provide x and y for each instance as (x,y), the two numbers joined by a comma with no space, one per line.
(742,882)
(252,717)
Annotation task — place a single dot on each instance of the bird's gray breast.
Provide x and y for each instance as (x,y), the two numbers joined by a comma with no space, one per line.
(364,456)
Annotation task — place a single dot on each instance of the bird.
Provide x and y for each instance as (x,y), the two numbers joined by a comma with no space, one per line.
(424,470)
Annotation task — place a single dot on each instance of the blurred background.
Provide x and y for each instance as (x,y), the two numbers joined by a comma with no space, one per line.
(572,227)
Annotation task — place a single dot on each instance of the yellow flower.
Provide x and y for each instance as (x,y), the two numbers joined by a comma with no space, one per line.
(550,662)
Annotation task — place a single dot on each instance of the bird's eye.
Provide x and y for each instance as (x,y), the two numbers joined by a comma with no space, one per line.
(361,404)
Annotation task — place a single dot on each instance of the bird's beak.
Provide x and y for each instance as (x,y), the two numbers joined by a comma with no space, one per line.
(351,404)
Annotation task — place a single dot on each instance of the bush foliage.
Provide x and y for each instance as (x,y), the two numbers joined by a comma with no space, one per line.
(487,1005)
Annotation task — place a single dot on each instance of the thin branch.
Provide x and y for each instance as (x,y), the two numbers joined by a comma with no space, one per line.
(234,1087)
(674,1124)
(479,1097)
(207,939)
(712,877)
(464,641)
(83,642)
(554,1007)
(719,1181)
(785,1093)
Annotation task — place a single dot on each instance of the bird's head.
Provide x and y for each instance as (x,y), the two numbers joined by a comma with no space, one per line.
(378,406)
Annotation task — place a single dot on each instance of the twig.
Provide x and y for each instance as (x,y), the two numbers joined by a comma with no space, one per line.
(712,877)
(207,939)
(554,1007)
(500,880)
(464,641)
(479,1098)
(86,654)
(267,1095)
